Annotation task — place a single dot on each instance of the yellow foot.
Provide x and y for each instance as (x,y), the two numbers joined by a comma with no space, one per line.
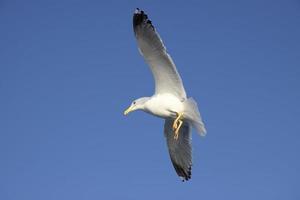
(176,133)
(175,126)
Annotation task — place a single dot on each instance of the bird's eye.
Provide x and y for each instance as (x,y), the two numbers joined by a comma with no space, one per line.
(134,102)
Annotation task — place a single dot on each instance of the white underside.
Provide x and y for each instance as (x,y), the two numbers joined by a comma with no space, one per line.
(169,106)
(164,105)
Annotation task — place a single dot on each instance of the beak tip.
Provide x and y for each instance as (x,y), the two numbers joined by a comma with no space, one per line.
(127,111)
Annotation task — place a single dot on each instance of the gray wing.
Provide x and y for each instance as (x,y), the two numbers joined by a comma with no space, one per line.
(180,150)
(167,79)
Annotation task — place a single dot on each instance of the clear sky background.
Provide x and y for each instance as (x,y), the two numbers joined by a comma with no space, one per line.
(68,69)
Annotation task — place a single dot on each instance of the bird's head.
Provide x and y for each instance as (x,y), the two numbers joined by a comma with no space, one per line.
(138,104)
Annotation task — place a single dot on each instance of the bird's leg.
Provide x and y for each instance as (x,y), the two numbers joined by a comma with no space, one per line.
(177,129)
(176,121)
(177,125)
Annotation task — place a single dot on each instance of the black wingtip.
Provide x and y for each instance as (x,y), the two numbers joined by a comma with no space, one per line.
(137,10)
(185,174)
(140,17)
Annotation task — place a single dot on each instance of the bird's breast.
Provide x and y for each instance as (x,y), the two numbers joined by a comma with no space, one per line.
(164,105)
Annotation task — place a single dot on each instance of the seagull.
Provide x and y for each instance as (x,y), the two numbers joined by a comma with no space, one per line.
(169,101)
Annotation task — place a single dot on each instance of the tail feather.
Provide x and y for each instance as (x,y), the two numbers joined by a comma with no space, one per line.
(193,115)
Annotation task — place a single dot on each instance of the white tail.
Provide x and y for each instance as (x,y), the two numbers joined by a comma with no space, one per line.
(192,114)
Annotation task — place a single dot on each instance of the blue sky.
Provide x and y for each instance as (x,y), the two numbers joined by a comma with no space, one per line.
(68,69)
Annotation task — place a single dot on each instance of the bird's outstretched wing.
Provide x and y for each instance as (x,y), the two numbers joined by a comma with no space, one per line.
(180,150)
(167,79)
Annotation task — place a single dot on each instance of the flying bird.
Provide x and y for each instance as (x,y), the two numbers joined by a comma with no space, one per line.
(169,101)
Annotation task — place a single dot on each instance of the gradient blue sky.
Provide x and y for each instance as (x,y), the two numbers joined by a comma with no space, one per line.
(68,69)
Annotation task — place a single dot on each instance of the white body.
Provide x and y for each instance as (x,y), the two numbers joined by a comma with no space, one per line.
(164,106)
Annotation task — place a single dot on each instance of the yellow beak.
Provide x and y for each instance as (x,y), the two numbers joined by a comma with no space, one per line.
(128,110)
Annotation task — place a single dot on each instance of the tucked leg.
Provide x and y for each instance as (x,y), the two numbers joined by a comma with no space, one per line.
(176,135)
(175,126)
